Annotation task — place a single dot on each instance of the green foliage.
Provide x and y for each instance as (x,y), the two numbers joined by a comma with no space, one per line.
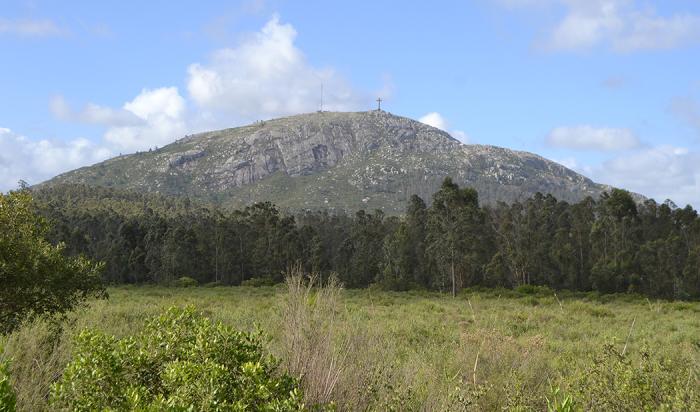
(465,397)
(181,361)
(185,282)
(534,290)
(456,236)
(36,278)
(7,395)
(617,382)
(560,402)
(610,245)
(383,393)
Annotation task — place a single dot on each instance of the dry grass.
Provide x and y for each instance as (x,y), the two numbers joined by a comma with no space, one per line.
(329,351)
(310,346)
(37,353)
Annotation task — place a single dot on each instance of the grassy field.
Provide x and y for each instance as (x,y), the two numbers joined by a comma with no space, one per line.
(374,350)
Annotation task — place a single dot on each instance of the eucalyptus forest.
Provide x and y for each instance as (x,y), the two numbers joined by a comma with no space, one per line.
(451,242)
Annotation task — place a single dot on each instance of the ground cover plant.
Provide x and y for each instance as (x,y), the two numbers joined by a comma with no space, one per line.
(490,349)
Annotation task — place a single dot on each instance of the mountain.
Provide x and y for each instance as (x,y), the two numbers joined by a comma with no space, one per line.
(332,160)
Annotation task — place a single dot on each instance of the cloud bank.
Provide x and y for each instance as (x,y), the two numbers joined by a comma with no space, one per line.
(620,25)
(35,160)
(266,75)
(586,137)
(662,172)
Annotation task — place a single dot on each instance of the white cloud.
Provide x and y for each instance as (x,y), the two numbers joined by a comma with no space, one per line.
(621,25)
(153,118)
(30,28)
(163,114)
(264,76)
(662,172)
(586,24)
(646,31)
(587,137)
(37,160)
(268,76)
(436,120)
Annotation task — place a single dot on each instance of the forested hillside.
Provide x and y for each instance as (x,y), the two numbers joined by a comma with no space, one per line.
(609,245)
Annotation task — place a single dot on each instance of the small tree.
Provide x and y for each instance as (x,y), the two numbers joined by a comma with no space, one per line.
(35,276)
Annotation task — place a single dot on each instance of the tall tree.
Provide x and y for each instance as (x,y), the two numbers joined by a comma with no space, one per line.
(453,232)
(36,277)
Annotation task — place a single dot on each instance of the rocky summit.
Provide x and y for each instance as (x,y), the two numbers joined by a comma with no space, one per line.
(329,160)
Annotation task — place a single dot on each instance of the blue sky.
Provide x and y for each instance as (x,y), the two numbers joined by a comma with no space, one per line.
(610,88)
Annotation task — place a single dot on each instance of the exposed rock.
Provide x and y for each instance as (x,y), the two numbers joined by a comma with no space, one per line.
(186,157)
(337,160)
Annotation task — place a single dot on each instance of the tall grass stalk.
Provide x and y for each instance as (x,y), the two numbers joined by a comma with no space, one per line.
(311,348)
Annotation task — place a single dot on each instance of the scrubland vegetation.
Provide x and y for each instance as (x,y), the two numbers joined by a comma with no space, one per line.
(378,350)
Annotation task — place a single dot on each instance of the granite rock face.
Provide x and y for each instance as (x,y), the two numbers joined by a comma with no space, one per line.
(333,160)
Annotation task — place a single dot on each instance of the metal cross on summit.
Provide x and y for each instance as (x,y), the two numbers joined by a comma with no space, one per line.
(379,104)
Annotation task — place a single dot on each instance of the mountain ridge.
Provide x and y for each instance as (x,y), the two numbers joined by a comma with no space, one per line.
(336,160)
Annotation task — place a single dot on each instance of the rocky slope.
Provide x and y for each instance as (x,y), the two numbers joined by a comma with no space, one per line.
(332,160)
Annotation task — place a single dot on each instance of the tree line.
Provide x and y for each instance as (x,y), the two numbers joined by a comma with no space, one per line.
(611,244)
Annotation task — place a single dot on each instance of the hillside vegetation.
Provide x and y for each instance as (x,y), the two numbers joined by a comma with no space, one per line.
(332,161)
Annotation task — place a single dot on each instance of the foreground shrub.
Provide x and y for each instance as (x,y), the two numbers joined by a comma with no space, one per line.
(181,361)
(615,382)
(7,395)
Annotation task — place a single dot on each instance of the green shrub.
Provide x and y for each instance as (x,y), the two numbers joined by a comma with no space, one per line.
(186,282)
(181,361)
(616,382)
(7,395)
(534,290)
